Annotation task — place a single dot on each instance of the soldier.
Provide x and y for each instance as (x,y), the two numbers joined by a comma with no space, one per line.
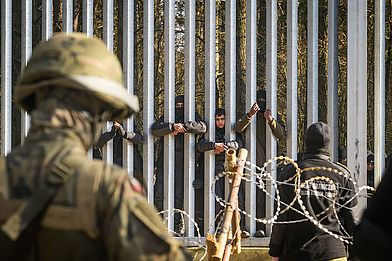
(73,208)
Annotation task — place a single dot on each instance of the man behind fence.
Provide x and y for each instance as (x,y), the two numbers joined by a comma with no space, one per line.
(219,146)
(161,128)
(263,118)
(328,198)
(55,203)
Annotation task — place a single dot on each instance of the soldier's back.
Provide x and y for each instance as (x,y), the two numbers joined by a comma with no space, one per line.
(99,214)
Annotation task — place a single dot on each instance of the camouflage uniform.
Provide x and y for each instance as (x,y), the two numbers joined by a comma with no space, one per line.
(71,87)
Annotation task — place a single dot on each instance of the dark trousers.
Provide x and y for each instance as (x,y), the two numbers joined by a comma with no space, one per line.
(260,206)
(178,194)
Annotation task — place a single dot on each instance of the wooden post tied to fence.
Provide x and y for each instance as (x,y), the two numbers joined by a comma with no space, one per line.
(218,248)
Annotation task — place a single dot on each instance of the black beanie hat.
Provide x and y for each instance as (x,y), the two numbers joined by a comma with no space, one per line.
(370,157)
(261,94)
(179,99)
(317,138)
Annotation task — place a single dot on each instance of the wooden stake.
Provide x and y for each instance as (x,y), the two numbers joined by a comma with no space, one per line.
(233,199)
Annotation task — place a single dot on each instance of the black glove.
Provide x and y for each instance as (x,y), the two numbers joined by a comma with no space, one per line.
(113,130)
(197,184)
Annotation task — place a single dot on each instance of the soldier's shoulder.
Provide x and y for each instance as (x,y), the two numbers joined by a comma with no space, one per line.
(94,165)
(112,175)
(98,168)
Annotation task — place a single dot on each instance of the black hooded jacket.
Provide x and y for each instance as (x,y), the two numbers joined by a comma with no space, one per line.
(118,136)
(304,240)
(206,145)
(276,126)
(161,128)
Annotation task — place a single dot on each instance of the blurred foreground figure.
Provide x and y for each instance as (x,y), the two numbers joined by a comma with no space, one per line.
(373,240)
(328,198)
(55,203)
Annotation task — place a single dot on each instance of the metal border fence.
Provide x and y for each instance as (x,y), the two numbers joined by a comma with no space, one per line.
(356,76)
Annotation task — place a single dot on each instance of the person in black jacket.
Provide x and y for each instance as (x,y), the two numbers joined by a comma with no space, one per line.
(160,128)
(118,133)
(328,198)
(220,145)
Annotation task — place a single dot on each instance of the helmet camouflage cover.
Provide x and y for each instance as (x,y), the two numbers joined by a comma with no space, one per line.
(79,62)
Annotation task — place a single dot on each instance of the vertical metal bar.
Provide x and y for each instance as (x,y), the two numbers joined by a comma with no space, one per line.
(108,23)
(230,73)
(47,19)
(128,66)
(88,17)
(271,94)
(6,76)
(312,104)
(148,95)
(108,39)
(292,74)
(230,69)
(333,77)
(27,46)
(67,16)
(251,82)
(189,139)
(210,70)
(379,90)
(170,78)
(357,93)
(88,20)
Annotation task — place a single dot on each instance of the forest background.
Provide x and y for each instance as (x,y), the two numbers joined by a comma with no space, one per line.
(241,56)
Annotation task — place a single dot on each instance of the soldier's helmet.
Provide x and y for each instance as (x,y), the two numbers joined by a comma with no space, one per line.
(78,62)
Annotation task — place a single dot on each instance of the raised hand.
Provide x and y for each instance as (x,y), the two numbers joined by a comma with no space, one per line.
(116,125)
(268,115)
(254,109)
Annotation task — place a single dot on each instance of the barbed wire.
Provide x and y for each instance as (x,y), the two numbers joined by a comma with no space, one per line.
(260,177)
(198,243)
